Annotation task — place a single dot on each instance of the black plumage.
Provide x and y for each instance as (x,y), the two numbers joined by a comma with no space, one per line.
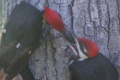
(20,39)
(97,68)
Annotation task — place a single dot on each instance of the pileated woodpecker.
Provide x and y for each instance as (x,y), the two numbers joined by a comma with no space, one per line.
(20,38)
(86,62)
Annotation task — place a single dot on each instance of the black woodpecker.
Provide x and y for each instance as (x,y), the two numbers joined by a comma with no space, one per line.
(86,62)
(20,38)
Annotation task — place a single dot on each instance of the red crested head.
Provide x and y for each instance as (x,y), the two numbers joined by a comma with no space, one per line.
(53,19)
(90,46)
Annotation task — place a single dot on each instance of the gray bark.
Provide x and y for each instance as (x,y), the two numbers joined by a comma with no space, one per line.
(98,20)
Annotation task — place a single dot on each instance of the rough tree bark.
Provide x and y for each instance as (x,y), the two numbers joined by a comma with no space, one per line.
(98,20)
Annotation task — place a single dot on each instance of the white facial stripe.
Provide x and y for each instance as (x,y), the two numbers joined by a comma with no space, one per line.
(85,50)
(71,62)
(77,45)
(73,50)
(82,55)
(81,59)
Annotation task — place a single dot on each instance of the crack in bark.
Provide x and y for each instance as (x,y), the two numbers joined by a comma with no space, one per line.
(56,74)
(45,68)
(89,12)
(108,26)
(99,11)
(95,28)
(37,2)
(54,59)
(84,28)
(47,3)
(118,6)
(71,13)
(85,24)
(41,78)
(58,5)
(53,49)
(118,13)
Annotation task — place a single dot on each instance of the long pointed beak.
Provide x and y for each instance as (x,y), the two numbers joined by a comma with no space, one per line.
(69,36)
(56,22)
(72,41)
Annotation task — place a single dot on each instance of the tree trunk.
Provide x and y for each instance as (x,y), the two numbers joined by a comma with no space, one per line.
(98,20)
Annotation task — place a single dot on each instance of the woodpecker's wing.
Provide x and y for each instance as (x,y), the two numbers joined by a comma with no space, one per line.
(107,67)
(18,63)
(21,38)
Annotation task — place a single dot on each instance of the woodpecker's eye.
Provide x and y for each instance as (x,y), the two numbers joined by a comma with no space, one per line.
(83,49)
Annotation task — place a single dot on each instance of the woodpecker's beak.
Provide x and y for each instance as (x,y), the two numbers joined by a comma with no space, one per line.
(68,36)
(72,41)
(74,44)
(75,47)
(54,19)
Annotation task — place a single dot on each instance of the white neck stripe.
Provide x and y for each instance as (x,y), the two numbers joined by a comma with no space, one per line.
(71,62)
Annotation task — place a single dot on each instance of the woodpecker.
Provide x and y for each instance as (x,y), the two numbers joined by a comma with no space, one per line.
(90,64)
(20,38)
(54,19)
(85,62)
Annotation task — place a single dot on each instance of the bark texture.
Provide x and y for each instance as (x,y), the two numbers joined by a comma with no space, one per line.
(98,20)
